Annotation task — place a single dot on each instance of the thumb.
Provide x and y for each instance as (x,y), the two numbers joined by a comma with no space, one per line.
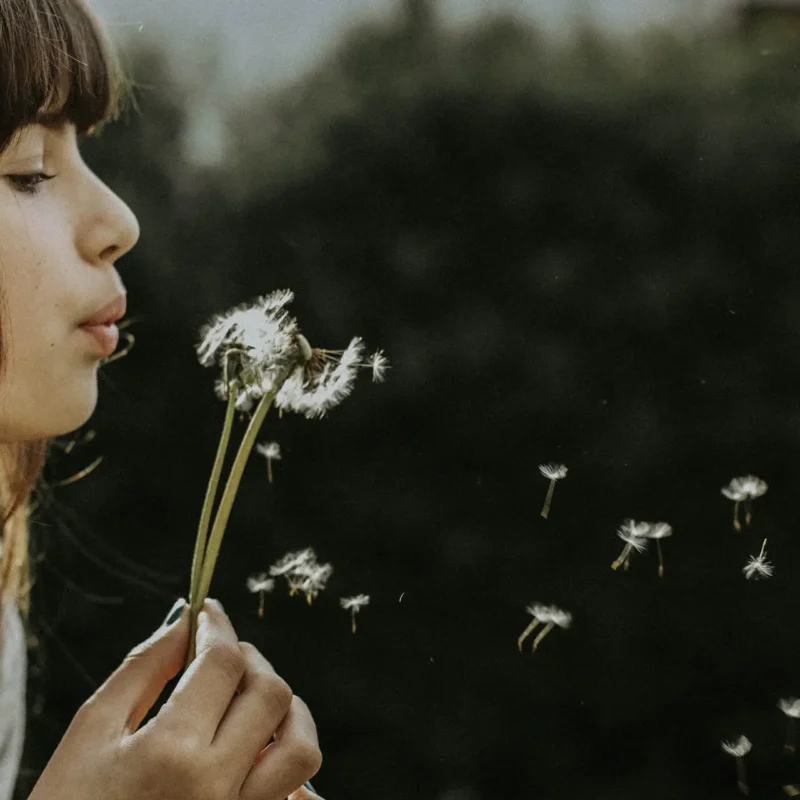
(132,689)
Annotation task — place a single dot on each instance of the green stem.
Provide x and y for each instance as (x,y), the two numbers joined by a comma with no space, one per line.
(205,520)
(231,488)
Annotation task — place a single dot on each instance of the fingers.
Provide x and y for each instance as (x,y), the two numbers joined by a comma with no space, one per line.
(205,690)
(130,691)
(289,761)
(254,715)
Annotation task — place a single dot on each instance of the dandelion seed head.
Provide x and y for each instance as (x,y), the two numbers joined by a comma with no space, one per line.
(790,706)
(555,472)
(659,530)
(260,583)
(758,567)
(741,747)
(635,534)
(354,603)
(292,561)
(270,450)
(550,614)
(378,363)
(747,487)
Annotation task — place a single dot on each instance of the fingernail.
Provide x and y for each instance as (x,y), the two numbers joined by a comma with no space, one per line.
(174,613)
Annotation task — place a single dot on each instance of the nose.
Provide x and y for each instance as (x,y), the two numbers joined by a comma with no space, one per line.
(109,228)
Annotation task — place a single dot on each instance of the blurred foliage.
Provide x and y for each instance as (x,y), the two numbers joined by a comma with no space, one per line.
(584,253)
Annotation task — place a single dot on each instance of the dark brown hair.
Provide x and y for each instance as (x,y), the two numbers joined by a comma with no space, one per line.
(54,55)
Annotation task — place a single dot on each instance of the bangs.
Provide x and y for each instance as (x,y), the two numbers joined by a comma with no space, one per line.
(56,56)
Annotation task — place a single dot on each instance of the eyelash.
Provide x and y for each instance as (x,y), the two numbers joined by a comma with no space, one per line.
(21,184)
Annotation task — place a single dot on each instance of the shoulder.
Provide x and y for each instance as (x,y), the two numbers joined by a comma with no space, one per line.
(13,665)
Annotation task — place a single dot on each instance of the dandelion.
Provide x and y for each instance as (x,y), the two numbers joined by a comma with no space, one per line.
(791,707)
(353,604)
(262,584)
(302,573)
(291,561)
(659,531)
(739,749)
(272,452)
(555,472)
(265,359)
(758,566)
(634,534)
(378,364)
(549,616)
(743,490)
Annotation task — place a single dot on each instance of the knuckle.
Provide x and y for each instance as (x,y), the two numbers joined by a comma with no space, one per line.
(306,760)
(276,692)
(228,658)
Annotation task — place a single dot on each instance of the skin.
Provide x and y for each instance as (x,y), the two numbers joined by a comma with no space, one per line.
(210,740)
(58,248)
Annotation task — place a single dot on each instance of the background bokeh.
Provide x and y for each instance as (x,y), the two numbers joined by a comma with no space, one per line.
(581,251)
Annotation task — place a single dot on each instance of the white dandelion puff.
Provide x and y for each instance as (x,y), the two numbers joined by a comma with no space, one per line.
(262,584)
(791,708)
(758,566)
(739,749)
(292,561)
(354,605)
(553,472)
(272,452)
(311,579)
(744,490)
(634,534)
(550,617)
(378,363)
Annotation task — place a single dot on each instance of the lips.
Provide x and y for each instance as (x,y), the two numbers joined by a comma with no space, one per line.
(109,313)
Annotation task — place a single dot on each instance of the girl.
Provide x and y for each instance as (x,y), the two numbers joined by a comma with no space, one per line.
(62,231)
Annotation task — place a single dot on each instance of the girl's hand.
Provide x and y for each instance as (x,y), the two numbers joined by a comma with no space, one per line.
(209,741)
(304,794)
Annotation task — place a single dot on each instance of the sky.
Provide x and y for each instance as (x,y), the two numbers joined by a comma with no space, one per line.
(269,42)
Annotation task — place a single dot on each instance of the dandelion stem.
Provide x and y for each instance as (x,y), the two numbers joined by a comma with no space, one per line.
(623,556)
(525,633)
(748,512)
(789,746)
(232,486)
(737,526)
(547,628)
(548,498)
(660,559)
(269,470)
(353,618)
(205,519)
(261,603)
(741,776)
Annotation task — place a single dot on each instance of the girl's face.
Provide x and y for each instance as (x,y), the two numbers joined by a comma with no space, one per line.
(59,241)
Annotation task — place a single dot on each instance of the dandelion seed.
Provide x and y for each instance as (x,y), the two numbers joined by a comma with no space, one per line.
(791,707)
(378,364)
(758,566)
(743,490)
(549,616)
(658,531)
(354,604)
(291,561)
(262,584)
(554,472)
(634,534)
(738,749)
(272,452)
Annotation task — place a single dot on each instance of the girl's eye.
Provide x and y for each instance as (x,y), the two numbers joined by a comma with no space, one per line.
(27,183)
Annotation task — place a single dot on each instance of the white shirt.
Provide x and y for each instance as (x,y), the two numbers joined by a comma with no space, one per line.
(13,666)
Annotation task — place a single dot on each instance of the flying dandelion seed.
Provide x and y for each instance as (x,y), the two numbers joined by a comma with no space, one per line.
(758,566)
(353,605)
(291,561)
(743,490)
(791,707)
(659,531)
(265,359)
(739,749)
(262,584)
(303,573)
(549,616)
(634,534)
(554,472)
(272,452)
